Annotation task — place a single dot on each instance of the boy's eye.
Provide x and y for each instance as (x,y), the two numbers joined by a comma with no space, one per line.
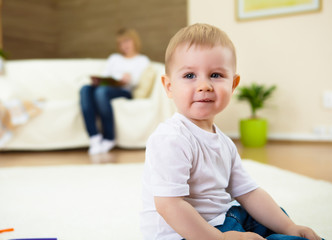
(189,76)
(216,75)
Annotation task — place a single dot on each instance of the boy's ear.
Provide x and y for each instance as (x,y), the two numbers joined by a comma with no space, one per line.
(236,81)
(167,85)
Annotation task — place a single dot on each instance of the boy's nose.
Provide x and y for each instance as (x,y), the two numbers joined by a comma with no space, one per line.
(204,85)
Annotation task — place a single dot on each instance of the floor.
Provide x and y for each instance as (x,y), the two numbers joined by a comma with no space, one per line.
(308,158)
(312,159)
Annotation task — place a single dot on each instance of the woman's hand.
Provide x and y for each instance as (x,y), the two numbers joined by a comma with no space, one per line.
(126,78)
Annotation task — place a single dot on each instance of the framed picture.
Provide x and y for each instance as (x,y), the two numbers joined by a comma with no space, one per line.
(252,9)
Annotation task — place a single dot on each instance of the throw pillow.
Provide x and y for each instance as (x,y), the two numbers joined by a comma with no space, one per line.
(145,84)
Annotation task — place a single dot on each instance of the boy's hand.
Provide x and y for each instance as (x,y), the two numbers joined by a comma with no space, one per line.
(280,223)
(302,231)
(233,235)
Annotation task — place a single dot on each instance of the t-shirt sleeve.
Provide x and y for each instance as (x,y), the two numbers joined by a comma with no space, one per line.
(240,181)
(169,161)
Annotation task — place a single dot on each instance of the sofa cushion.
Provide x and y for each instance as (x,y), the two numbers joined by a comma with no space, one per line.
(146,82)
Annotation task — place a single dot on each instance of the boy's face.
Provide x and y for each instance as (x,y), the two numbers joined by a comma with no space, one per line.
(201,81)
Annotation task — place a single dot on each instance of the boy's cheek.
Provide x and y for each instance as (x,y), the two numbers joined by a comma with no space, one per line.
(168,89)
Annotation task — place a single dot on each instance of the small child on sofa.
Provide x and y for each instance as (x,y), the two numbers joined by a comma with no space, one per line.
(192,170)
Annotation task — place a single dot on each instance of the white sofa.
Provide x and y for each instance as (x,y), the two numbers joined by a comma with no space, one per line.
(60,123)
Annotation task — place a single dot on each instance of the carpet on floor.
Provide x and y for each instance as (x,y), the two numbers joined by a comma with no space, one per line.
(103,201)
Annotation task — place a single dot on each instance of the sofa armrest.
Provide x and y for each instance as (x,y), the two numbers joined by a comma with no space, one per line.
(136,119)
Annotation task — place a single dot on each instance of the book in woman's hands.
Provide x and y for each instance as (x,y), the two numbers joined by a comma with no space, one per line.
(108,81)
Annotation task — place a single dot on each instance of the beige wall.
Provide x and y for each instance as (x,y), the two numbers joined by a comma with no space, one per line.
(293,52)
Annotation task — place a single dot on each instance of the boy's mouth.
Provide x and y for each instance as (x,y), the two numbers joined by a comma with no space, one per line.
(205,100)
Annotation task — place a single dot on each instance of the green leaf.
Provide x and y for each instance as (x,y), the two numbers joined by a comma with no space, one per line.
(256,95)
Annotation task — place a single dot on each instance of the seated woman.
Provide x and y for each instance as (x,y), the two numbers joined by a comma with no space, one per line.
(120,76)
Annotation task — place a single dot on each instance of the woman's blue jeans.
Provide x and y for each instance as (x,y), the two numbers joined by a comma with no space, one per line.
(237,219)
(96,102)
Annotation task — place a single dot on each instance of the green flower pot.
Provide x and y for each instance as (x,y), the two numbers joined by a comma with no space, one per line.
(253,132)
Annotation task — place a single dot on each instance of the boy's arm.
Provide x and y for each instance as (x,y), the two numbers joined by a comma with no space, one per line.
(260,205)
(187,222)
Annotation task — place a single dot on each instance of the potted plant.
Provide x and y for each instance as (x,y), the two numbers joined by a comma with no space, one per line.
(3,56)
(253,131)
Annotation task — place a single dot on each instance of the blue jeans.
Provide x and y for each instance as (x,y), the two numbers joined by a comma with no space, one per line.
(96,102)
(237,219)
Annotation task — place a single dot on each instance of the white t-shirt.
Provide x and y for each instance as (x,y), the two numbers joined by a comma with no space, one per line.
(117,65)
(184,160)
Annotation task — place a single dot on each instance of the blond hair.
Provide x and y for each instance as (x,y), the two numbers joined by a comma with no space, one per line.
(131,34)
(198,35)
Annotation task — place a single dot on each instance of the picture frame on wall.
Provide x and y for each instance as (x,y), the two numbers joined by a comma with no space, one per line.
(255,9)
